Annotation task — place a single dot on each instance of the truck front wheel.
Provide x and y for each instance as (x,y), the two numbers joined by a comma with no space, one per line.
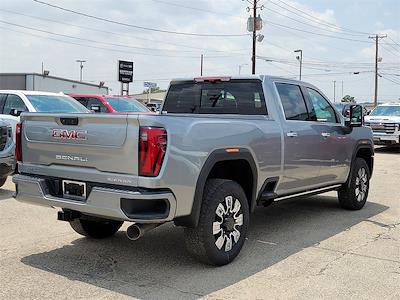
(223,223)
(97,229)
(353,194)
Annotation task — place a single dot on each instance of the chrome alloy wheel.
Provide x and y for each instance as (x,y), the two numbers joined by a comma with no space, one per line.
(361,184)
(227,223)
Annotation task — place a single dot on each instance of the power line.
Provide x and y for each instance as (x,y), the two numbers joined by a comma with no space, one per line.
(191,7)
(388,79)
(308,24)
(108,49)
(314,19)
(137,26)
(89,40)
(117,34)
(394,42)
(316,33)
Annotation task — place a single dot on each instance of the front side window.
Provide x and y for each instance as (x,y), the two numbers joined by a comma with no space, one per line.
(96,102)
(56,104)
(323,110)
(82,101)
(293,102)
(244,97)
(13,102)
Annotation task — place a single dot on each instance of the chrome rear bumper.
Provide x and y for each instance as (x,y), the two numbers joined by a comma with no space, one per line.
(107,202)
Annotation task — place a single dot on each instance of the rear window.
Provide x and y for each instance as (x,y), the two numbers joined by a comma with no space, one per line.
(56,104)
(232,97)
(126,105)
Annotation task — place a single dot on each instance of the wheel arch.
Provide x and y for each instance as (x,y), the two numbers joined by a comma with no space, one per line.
(364,149)
(216,161)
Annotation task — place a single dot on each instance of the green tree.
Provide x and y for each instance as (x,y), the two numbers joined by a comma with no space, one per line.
(348,98)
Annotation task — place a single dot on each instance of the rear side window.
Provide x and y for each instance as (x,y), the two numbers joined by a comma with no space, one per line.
(293,102)
(13,102)
(244,97)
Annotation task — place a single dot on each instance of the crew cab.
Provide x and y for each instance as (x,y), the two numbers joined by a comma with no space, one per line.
(385,123)
(220,147)
(110,104)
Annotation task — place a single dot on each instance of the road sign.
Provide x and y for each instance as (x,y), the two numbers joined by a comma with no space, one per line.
(151,85)
(125,71)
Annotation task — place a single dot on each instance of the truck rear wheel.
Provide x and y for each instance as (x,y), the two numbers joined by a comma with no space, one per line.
(223,223)
(95,229)
(353,194)
(3,181)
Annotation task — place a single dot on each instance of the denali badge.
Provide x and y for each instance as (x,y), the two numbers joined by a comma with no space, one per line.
(71,158)
(64,134)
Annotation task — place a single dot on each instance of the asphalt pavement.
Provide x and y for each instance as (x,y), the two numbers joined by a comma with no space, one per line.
(296,249)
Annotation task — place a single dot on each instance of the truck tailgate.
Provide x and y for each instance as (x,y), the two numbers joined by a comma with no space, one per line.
(83,140)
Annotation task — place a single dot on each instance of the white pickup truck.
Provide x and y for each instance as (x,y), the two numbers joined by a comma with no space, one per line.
(384,121)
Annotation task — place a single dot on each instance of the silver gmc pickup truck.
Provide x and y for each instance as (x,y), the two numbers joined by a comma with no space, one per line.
(220,147)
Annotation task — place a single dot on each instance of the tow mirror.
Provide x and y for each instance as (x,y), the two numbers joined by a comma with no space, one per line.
(15,112)
(95,108)
(355,116)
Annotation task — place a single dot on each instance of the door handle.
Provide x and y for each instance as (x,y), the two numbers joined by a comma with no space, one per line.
(325,134)
(292,134)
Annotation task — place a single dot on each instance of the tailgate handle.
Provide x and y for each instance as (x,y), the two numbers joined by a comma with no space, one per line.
(69,121)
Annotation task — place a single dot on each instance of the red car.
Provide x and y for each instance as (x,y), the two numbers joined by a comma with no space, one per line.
(110,104)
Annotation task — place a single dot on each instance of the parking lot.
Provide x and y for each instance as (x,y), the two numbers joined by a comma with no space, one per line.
(308,248)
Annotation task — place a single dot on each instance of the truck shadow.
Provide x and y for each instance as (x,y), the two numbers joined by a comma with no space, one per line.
(5,194)
(387,149)
(157,266)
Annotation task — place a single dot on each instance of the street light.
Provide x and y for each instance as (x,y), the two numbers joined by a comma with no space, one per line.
(299,58)
(81,67)
(240,67)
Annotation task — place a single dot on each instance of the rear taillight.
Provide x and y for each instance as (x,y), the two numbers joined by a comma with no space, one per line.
(152,148)
(18,136)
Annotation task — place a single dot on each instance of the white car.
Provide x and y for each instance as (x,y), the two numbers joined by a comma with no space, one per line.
(15,102)
(384,121)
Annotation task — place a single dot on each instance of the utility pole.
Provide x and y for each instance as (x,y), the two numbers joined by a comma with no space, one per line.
(342,89)
(240,68)
(81,68)
(334,91)
(254,23)
(300,59)
(253,57)
(201,65)
(377,37)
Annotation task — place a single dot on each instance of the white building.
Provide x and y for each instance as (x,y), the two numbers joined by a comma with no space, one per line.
(45,83)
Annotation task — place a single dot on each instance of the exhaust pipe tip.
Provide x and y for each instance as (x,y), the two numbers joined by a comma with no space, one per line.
(134,232)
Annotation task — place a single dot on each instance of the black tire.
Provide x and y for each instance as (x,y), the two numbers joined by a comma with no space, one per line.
(202,241)
(3,181)
(95,229)
(354,193)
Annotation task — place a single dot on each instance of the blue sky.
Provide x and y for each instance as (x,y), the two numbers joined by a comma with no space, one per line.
(289,25)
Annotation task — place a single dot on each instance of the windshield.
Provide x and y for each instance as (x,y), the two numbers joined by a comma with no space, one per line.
(387,111)
(56,104)
(126,105)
